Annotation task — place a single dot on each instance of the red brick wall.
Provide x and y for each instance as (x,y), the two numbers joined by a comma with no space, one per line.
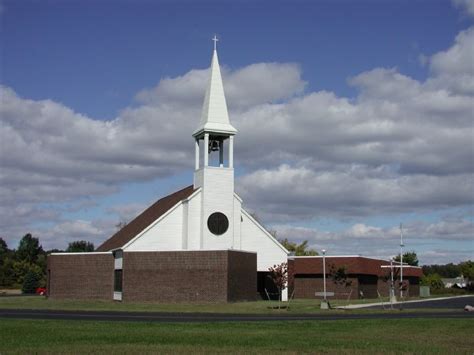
(182,276)
(412,283)
(305,287)
(189,276)
(81,276)
(242,276)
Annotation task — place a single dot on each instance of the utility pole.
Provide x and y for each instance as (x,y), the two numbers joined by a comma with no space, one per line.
(392,290)
(401,261)
(324,273)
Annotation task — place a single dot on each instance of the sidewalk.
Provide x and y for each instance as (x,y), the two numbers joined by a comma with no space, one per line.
(366,305)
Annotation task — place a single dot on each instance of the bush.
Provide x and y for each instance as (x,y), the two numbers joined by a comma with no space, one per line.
(449,291)
(433,281)
(31,282)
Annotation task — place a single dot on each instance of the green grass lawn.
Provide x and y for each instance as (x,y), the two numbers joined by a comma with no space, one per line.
(262,307)
(296,306)
(415,336)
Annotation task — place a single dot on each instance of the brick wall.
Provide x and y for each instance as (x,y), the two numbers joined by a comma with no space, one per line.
(412,283)
(305,287)
(189,276)
(242,276)
(81,276)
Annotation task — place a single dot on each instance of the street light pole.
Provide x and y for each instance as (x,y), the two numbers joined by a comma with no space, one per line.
(401,261)
(324,273)
(392,291)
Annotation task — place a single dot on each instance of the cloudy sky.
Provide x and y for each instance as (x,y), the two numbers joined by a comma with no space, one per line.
(352,118)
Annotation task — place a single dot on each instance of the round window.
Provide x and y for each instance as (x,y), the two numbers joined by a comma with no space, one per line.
(218,223)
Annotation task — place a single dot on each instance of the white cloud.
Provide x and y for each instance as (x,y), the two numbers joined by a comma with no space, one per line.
(401,145)
(59,235)
(127,212)
(293,193)
(252,85)
(372,241)
(465,5)
(453,69)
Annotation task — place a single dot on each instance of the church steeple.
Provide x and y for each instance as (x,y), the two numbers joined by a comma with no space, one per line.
(214,116)
(215,127)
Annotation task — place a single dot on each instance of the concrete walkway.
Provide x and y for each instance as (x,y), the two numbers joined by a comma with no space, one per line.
(469,299)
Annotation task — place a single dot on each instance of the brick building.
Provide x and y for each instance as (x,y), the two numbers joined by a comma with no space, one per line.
(362,277)
(197,244)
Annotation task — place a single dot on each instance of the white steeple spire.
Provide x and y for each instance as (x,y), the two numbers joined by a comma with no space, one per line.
(214,117)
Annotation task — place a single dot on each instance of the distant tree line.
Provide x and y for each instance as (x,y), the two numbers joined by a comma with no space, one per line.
(433,274)
(25,267)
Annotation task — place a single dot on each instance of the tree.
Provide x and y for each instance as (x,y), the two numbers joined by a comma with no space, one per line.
(31,282)
(467,269)
(339,275)
(80,246)
(449,270)
(299,249)
(7,275)
(3,249)
(409,258)
(279,276)
(29,249)
(433,280)
(22,267)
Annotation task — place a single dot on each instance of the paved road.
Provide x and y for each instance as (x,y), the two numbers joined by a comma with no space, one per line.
(451,303)
(206,317)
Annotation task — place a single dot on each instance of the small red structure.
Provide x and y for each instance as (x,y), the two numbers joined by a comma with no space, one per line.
(41,291)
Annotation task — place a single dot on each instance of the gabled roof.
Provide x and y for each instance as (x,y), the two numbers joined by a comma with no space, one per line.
(143,220)
(214,117)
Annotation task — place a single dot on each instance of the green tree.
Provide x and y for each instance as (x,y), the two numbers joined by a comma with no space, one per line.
(3,249)
(409,258)
(299,249)
(467,269)
(448,270)
(22,267)
(339,275)
(80,246)
(434,281)
(29,249)
(31,282)
(7,277)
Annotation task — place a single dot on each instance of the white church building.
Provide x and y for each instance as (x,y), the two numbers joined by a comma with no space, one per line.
(202,230)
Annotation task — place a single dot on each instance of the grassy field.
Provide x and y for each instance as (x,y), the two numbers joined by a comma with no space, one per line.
(261,307)
(415,336)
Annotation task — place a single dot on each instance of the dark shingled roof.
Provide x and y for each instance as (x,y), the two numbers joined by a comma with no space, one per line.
(147,217)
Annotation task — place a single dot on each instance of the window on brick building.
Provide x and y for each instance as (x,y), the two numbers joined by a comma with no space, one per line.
(118,281)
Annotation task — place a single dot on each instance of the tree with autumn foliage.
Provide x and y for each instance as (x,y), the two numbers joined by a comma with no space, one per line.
(279,276)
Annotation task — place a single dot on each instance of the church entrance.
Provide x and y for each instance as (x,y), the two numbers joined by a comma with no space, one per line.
(266,288)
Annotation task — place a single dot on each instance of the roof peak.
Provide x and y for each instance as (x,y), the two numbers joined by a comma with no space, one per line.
(214,116)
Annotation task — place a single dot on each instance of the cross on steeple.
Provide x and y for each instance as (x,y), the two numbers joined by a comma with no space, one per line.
(215,42)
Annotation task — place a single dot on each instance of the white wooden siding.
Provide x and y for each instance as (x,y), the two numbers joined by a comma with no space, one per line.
(164,235)
(254,238)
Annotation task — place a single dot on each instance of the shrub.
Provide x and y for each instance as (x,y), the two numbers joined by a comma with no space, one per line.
(433,280)
(31,282)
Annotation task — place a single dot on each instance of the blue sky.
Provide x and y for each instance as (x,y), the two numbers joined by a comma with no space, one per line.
(93,56)
(329,110)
